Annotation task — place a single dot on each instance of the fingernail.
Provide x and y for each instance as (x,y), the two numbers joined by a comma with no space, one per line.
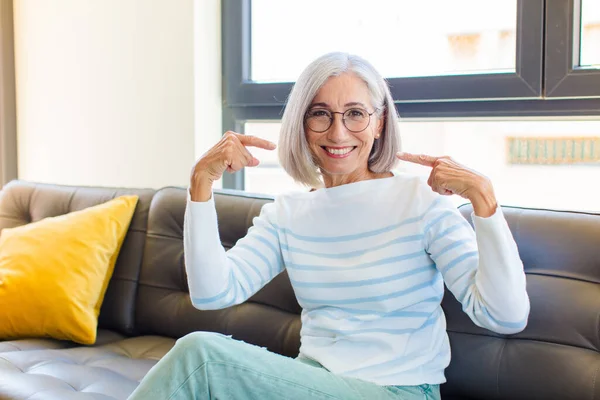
(400,153)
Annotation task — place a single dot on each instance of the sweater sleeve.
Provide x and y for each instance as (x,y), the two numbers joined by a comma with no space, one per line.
(481,267)
(218,278)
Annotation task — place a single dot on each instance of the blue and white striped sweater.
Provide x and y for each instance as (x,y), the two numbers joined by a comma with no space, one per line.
(368,262)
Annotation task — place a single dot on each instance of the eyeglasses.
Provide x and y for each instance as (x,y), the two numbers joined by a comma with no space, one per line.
(354,119)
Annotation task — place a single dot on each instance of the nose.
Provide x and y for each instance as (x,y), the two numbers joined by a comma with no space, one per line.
(337,131)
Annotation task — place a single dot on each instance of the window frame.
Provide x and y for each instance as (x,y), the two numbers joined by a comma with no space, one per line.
(564,78)
(525,82)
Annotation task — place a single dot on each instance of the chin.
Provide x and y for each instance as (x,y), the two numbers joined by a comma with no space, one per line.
(338,169)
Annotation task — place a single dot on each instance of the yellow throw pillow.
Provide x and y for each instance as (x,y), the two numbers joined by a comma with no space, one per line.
(54,272)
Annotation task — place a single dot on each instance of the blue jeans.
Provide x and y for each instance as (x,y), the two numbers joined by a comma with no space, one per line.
(206,365)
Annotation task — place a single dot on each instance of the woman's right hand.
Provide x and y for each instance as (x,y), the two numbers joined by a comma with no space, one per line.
(229,154)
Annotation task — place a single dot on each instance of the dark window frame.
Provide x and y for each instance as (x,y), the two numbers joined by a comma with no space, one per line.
(564,78)
(525,82)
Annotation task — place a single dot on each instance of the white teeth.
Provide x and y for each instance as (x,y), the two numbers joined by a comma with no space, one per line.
(345,150)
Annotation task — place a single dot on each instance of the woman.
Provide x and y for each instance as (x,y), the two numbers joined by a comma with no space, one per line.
(367,252)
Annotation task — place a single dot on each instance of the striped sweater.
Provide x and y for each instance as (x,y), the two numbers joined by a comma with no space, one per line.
(368,262)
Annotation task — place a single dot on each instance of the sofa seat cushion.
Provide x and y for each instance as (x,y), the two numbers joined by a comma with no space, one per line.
(103,336)
(109,371)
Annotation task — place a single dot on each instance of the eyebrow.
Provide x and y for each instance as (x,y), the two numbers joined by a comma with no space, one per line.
(354,103)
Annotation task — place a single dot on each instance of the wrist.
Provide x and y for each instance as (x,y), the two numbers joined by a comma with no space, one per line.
(200,188)
(484,201)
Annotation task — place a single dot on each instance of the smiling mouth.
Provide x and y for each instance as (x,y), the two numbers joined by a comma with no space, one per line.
(338,151)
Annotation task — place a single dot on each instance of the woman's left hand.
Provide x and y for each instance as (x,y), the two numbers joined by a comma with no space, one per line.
(448,177)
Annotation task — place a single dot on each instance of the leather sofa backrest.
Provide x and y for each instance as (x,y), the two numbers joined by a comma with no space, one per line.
(22,202)
(269,319)
(557,356)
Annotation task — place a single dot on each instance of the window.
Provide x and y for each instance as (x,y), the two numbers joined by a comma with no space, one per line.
(508,87)
(531,163)
(484,51)
(479,38)
(590,34)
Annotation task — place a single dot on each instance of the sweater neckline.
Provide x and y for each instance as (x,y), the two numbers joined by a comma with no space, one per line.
(349,189)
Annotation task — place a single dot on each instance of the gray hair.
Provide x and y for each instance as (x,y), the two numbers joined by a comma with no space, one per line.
(294,153)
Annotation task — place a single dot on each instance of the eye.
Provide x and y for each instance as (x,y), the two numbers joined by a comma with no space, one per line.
(356,113)
(316,113)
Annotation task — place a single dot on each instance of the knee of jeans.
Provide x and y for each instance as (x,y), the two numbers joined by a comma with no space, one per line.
(198,340)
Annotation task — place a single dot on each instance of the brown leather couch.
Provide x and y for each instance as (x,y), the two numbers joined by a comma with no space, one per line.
(147,306)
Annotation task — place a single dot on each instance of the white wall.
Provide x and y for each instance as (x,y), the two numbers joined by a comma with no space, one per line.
(207,61)
(105,90)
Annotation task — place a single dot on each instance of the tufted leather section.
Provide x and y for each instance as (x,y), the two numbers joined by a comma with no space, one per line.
(558,355)
(269,319)
(23,202)
(110,371)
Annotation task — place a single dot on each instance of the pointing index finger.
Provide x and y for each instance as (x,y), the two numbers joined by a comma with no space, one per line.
(421,159)
(248,140)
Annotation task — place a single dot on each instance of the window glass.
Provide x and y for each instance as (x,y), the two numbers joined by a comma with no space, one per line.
(402,38)
(268,177)
(590,33)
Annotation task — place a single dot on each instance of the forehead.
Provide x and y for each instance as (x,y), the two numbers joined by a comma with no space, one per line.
(342,89)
